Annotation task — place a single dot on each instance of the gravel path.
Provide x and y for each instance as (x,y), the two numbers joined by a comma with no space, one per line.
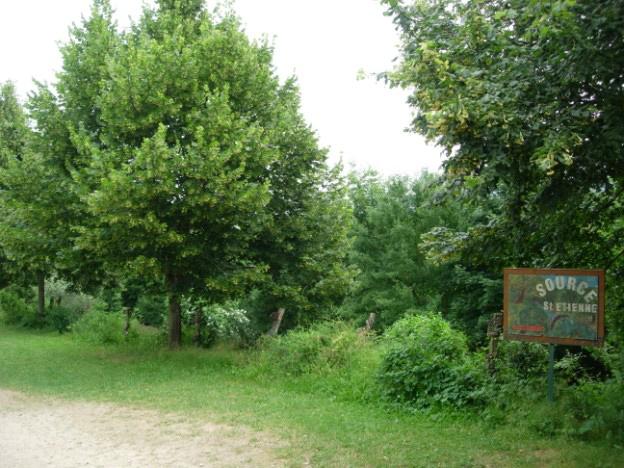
(48,432)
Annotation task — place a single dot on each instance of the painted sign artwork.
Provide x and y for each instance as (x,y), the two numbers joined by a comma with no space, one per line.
(554,306)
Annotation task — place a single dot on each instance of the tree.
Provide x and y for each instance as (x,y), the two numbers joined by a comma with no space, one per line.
(306,243)
(394,277)
(33,201)
(178,170)
(13,127)
(60,114)
(13,131)
(526,99)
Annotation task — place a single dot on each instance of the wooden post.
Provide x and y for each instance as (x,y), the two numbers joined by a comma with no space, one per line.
(495,327)
(40,296)
(550,377)
(197,338)
(128,317)
(370,323)
(277,316)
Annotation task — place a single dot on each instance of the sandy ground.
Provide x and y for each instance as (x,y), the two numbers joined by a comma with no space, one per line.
(47,432)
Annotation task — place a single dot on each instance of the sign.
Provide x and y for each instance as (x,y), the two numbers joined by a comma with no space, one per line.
(554,306)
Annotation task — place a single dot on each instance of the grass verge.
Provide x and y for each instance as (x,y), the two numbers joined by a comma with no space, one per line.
(318,428)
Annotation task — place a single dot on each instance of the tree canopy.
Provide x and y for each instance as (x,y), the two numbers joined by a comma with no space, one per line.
(184,148)
(525,97)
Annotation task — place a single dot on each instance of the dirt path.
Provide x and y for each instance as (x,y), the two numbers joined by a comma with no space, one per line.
(48,432)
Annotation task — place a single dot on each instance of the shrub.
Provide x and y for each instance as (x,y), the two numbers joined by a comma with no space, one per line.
(221,322)
(592,409)
(517,360)
(60,318)
(15,310)
(426,363)
(102,328)
(324,346)
(597,409)
(230,323)
(330,357)
(150,310)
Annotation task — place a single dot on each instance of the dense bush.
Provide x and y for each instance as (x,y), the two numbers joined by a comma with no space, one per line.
(60,318)
(594,410)
(517,360)
(102,328)
(426,363)
(331,357)
(15,310)
(151,309)
(228,322)
(219,322)
(327,345)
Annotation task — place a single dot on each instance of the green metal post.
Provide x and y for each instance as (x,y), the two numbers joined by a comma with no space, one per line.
(551,373)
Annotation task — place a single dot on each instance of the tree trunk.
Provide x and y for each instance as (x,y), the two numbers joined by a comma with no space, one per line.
(128,317)
(41,296)
(278,315)
(175,315)
(198,327)
(175,321)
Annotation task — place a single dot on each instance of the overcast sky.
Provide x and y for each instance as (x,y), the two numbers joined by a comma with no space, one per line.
(323,42)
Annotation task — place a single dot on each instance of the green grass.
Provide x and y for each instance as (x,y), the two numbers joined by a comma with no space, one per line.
(317,427)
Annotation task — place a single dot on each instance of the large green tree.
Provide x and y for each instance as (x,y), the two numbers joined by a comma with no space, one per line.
(526,98)
(188,125)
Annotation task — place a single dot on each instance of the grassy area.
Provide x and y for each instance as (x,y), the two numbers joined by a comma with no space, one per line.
(318,428)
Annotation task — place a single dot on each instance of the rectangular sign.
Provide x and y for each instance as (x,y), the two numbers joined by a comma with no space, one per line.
(554,306)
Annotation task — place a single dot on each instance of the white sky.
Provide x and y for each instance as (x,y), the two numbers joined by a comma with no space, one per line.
(323,42)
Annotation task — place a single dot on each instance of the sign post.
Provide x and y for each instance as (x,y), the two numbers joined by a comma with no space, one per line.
(551,373)
(554,306)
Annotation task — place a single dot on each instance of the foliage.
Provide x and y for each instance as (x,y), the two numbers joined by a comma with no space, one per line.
(110,299)
(518,360)
(229,322)
(220,322)
(426,363)
(151,309)
(329,357)
(13,127)
(525,97)
(15,310)
(61,318)
(306,243)
(61,292)
(36,201)
(597,410)
(184,149)
(323,347)
(100,327)
(394,275)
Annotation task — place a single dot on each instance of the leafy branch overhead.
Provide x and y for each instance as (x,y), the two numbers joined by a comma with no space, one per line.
(526,98)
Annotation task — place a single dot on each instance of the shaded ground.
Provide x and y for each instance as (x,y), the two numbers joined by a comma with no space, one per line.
(48,432)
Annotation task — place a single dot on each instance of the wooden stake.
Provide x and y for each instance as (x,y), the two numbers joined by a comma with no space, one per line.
(278,315)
